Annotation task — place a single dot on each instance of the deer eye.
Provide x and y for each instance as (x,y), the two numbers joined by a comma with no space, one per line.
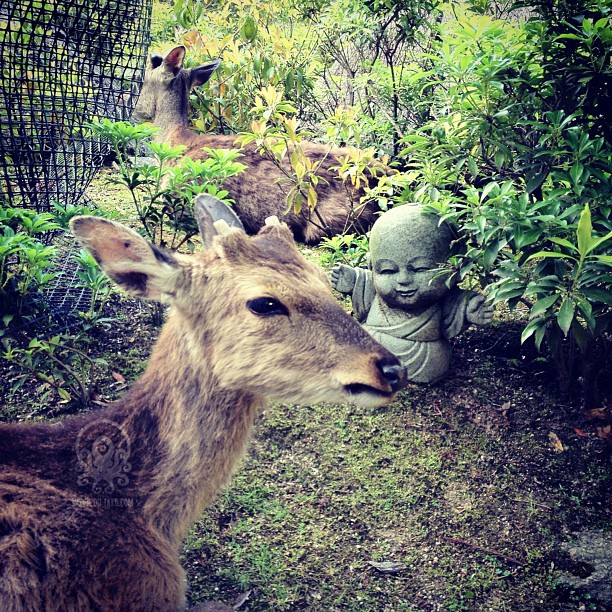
(266,306)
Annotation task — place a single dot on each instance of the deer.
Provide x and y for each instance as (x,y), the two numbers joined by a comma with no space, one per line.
(257,193)
(93,508)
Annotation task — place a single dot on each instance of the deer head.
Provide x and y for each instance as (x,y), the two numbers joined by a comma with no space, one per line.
(164,97)
(254,313)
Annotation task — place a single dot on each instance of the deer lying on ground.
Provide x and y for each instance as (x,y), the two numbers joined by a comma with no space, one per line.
(94,507)
(164,100)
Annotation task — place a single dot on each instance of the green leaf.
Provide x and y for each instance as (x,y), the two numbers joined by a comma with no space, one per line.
(488,188)
(499,159)
(565,316)
(565,243)
(64,394)
(472,167)
(544,284)
(539,336)
(568,37)
(249,29)
(585,308)
(581,336)
(596,243)
(534,182)
(584,231)
(543,305)
(531,328)
(481,222)
(509,293)
(598,295)
(576,172)
(549,254)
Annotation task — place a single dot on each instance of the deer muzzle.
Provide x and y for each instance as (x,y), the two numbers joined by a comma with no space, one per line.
(393,372)
(390,378)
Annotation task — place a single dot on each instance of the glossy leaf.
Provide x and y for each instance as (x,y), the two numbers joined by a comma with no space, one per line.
(584,231)
(541,306)
(565,315)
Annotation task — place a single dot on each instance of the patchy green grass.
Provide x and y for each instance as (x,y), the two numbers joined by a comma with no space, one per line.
(473,503)
(457,483)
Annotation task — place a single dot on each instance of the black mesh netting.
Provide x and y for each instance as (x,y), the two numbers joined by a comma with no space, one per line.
(64,63)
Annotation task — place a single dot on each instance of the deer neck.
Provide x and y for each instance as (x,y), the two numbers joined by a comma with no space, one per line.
(200,431)
(174,134)
(172,121)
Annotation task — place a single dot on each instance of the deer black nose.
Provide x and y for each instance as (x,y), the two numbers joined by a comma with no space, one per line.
(393,372)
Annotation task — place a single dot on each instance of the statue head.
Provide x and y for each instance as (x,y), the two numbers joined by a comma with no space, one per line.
(406,247)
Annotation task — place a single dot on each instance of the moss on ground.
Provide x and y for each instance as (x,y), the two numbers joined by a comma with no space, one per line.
(473,503)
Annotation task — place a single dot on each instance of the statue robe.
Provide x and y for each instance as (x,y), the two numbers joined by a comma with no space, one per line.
(420,341)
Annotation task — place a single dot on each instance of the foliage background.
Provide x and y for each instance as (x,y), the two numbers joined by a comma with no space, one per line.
(495,114)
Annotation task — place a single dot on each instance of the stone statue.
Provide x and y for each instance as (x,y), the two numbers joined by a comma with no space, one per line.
(399,301)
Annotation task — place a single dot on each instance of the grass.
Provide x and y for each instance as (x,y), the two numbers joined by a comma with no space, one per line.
(474,505)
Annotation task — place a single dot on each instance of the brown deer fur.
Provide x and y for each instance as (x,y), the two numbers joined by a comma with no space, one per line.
(251,319)
(164,100)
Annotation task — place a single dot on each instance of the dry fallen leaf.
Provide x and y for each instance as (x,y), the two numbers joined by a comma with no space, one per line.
(604,432)
(388,567)
(118,377)
(596,413)
(556,442)
(580,432)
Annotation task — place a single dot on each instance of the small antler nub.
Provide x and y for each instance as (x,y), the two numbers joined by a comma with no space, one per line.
(273,221)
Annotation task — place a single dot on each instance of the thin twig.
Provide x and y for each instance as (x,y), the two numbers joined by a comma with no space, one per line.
(488,551)
(530,501)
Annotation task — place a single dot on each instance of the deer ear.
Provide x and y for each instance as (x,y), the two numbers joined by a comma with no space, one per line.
(207,211)
(173,60)
(141,269)
(202,74)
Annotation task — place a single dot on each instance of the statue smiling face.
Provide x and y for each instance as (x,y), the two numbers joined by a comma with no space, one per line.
(406,247)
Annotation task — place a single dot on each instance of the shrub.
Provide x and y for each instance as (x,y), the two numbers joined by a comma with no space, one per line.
(57,360)
(163,186)
(25,262)
(368,50)
(260,45)
(522,169)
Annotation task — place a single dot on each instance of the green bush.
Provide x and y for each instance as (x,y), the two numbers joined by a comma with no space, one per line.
(522,168)
(348,249)
(58,361)
(367,51)
(25,262)
(163,186)
(260,45)
(62,368)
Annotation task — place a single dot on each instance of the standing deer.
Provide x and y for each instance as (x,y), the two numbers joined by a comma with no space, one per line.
(164,100)
(93,508)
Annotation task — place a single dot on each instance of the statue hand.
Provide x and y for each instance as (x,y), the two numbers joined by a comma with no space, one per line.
(343,278)
(479,311)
